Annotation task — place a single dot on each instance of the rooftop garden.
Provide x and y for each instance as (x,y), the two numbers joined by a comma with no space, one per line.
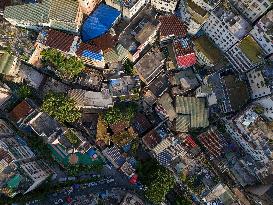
(196,8)
(251,49)
(66,66)
(61,107)
(72,137)
(206,46)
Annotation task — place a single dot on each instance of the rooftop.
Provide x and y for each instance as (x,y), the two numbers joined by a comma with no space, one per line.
(195,108)
(185,55)
(6,62)
(99,22)
(21,111)
(251,49)
(159,85)
(172,26)
(150,65)
(206,46)
(49,11)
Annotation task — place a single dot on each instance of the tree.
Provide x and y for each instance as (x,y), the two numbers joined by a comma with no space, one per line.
(61,107)
(24,92)
(157,179)
(181,200)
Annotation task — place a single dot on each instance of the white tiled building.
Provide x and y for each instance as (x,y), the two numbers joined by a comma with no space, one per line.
(252,9)
(225,28)
(261,32)
(164,5)
(267,104)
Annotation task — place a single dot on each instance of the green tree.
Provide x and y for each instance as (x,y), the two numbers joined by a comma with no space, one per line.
(181,200)
(157,179)
(24,92)
(61,107)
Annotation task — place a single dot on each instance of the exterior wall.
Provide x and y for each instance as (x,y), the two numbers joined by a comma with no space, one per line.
(238,59)
(219,33)
(164,5)
(252,9)
(261,33)
(237,136)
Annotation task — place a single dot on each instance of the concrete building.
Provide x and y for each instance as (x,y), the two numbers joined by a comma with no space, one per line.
(245,55)
(164,5)
(127,8)
(261,32)
(252,9)
(225,27)
(140,33)
(20,171)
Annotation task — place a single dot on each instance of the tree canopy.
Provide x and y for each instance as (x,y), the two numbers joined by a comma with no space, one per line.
(24,92)
(67,66)
(157,179)
(61,107)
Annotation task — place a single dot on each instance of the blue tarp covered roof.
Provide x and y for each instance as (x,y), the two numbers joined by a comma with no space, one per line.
(99,22)
(92,55)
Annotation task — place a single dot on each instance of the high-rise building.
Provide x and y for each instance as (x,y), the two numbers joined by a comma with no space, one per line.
(252,9)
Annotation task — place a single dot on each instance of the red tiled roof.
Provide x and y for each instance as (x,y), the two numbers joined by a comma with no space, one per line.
(59,40)
(187,60)
(172,25)
(106,41)
(184,53)
(22,110)
(86,46)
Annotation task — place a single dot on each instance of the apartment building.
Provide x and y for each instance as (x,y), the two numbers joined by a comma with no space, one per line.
(261,33)
(252,9)
(245,55)
(225,27)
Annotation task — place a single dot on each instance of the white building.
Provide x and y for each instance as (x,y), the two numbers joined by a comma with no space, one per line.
(261,32)
(164,5)
(245,55)
(225,28)
(252,9)
(127,8)
(257,155)
(267,104)
(259,87)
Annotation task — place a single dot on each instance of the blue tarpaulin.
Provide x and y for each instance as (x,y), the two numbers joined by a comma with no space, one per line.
(99,22)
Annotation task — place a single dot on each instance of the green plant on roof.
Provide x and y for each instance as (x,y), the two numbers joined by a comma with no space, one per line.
(24,92)
(128,67)
(67,66)
(251,49)
(72,137)
(120,112)
(61,107)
